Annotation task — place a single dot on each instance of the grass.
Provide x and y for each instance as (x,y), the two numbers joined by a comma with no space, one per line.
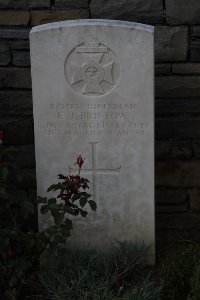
(88,275)
(83,274)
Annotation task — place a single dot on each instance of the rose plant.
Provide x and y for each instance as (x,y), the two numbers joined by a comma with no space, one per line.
(71,199)
(21,247)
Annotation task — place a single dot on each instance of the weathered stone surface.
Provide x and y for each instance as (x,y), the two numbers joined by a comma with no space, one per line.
(195,44)
(12,17)
(24,4)
(144,11)
(178,174)
(182,12)
(21,58)
(15,78)
(14,33)
(71,3)
(186,68)
(171,43)
(17,130)
(175,107)
(101,105)
(176,128)
(173,150)
(16,102)
(177,86)
(163,69)
(5,53)
(23,156)
(47,16)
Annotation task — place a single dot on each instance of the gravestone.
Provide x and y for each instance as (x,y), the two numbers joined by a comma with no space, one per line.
(93,94)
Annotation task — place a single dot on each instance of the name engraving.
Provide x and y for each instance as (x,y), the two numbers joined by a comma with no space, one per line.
(92,119)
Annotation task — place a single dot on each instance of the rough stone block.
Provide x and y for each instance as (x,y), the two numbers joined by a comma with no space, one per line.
(170,196)
(29,179)
(194,196)
(184,221)
(177,86)
(178,174)
(195,44)
(21,58)
(47,16)
(196,147)
(24,4)
(16,102)
(19,45)
(71,3)
(12,17)
(15,78)
(171,208)
(23,156)
(144,11)
(5,53)
(171,43)
(161,69)
(174,128)
(175,107)
(182,11)
(186,68)
(173,150)
(14,33)
(17,130)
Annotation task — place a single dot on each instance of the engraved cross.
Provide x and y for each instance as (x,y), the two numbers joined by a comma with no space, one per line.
(95,171)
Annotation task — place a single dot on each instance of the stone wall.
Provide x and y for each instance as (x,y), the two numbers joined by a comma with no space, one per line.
(177,89)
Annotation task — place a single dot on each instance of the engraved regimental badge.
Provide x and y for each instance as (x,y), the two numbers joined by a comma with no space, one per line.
(92,68)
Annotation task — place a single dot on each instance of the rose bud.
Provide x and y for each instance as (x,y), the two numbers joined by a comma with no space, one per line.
(79,161)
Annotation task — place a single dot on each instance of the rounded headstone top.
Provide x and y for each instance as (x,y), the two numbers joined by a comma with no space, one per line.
(94,22)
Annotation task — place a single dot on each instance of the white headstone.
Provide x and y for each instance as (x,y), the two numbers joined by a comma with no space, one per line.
(93,94)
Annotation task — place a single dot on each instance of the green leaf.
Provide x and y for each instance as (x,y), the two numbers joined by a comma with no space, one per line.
(68,223)
(4,242)
(76,197)
(4,173)
(83,201)
(76,211)
(54,207)
(59,239)
(83,213)
(44,209)
(93,205)
(55,187)
(51,188)
(3,193)
(58,218)
(52,201)
(42,200)
(65,232)
(85,194)
(68,210)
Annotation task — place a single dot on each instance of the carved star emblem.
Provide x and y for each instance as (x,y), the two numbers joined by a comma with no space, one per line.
(91,72)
